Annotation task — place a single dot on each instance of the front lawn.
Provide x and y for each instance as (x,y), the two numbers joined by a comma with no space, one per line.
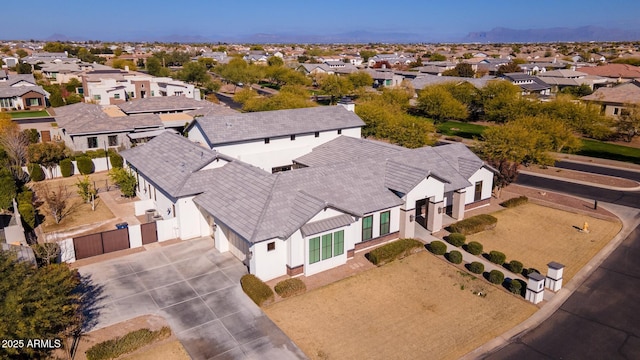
(605,150)
(462,129)
(29,114)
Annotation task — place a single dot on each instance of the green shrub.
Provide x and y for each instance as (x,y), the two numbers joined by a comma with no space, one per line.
(28,215)
(513,202)
(515,266)
(85,165)
(66,167)
(456,239)
(497,257)
(35,172)
(125,180)
(528,271)
(455,256)
(94,154)
(474,224)
(116,160)
(474,248)
(290,287)
(130,342)
(256,289)
(393,251)
(476,267)
(438,247)
(516,286)
(496,277)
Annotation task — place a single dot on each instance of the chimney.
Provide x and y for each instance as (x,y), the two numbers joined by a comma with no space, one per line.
(347,103)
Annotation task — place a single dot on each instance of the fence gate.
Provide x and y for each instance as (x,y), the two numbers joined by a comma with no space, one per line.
(88,245)
(46,135)
(115,240)
(149,233)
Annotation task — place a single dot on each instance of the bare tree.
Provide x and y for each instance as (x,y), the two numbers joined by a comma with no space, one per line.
(15,143)
(55,201)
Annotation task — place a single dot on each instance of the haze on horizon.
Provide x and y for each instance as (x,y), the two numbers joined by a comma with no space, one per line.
(211,20)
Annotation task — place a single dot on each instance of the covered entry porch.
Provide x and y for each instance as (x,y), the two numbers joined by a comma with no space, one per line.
(430,215)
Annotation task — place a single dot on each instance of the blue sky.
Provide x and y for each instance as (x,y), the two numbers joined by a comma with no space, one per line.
(136,19)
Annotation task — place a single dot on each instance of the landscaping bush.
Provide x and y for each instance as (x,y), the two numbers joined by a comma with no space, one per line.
(528,271)
(85,165)
(116,160)
(456,239)
(394,250)
(256,289)
(476,267)
(516,286)
(474,248)
(130,342)
(438,247)
(455,257)
(515,266)
(290,287)
(35,172)
(66,167)
(474,224)
(94,154)
(513,202)
(496,277)
(28,215)
(497,257)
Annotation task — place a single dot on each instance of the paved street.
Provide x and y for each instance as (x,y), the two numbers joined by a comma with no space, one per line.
(197,290)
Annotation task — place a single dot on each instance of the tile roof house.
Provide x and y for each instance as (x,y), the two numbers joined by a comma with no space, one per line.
(343,195)
(426,80)
(613,100)
(528,83)
(621,72)
(21,92)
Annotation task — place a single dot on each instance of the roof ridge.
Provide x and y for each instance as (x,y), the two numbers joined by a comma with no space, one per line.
(264,209)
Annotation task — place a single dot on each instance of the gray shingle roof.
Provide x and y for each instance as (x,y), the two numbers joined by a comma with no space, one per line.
(346,148)
(268,124)
(83,118)
(164,104)
(331,223)
(425,80)
(168,160)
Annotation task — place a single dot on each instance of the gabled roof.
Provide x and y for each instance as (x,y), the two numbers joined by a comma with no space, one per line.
(425,80)
(83,118)
(624,71)
(168,160)
(269,124)
(346,148)
(156,104)
(627,93)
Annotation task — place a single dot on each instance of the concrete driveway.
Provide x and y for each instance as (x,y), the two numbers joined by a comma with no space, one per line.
(197,290)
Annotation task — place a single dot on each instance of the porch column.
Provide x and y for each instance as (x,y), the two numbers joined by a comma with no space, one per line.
(458,204)
(434,219)
(407,223)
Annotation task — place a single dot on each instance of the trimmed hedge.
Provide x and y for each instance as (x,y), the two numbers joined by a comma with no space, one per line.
(455,256)
(515,266)
(456,239)
(528,271)
(476,267)
(474,248)
(256,289)
(290,287)
(85,165)
(438,247)
(497,257)
(116,160)
(496,277)
(35,172)
(393,251)
(66,167)
(513,202)
(474,224)
(130,342)
(516,286)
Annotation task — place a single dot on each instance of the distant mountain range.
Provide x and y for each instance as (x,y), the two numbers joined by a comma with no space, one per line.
(496,35)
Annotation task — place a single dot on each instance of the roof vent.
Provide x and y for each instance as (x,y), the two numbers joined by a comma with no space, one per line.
(347,103)
(228,125)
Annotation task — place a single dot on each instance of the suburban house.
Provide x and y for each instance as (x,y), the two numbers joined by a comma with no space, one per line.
(425,80)
(613,100)
(392,59)
(63,72)
(270,140)
(21,92)
(112,87)
(328,67)
(560,79)
(384,77)
(529,84)
(618,72)
(343,195)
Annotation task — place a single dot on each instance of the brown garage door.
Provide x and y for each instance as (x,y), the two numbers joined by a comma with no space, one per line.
(115,240)
(149,233)
(87,246)
(46,135)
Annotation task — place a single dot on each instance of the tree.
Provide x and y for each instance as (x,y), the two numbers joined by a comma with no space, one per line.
(123,64)
(194,72)
(14,143)
(125,180)
(511,67)
(47,154)
(436,102)
(21,53)
(334,85)
(37,303)
(289,97)
(360,79)
(501,102)
(8,189)
(55,201)
(629,121)
(507,173)
(155,67)
(437,57)
(577,91)
(275,61)
(24,68)
(87,192)
(461,70)
(367,54)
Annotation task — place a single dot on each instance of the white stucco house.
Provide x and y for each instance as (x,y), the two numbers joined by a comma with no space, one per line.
(341,195)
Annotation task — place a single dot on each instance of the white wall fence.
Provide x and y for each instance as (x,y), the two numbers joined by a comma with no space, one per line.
(166,230)
(14,233)
(99,164)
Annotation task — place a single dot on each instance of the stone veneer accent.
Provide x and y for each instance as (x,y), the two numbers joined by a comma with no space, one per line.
(376,241)
(477,204)
(293,271)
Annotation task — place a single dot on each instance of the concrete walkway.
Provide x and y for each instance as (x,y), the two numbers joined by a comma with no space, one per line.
(120,207)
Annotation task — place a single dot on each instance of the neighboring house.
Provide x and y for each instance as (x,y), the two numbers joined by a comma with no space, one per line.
(258,58)
(45,57)
(270,140)
(219,56)
(619,72)
(528,83)
(384,77)
(491,65)
(614,100)
(328,67)
(10,61)
(560,79)
(425,80)
(392,59)
(63,72)
(21,92)
(345,195)
(112,87)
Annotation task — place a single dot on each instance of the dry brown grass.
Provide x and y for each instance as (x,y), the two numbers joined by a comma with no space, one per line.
(172,350)
(537,235)
(79,213)
(416,308)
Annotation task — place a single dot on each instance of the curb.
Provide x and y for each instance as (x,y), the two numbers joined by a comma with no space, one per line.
(531,173)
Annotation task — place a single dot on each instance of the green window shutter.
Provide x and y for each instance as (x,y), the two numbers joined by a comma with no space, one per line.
(326,246)
(314,250)
(338,243)
(384,222)
(367,227)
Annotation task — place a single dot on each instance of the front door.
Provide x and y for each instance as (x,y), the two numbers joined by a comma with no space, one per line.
(422,211)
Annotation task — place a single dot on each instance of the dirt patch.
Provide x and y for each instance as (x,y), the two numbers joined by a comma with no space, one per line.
(536,235)
(79,214)
(418,307)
